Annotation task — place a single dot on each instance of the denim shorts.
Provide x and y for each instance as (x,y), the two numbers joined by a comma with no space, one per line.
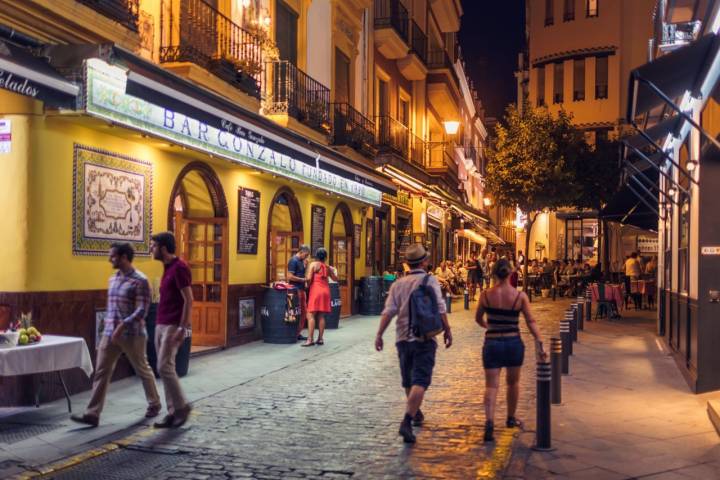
(417,360)
(499,352)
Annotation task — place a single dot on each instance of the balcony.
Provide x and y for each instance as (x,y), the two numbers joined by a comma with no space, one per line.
(287,90)
(675,35)
(447,13)
(441,166)
(392,36)
(193,31)
(392,137)
(413,66)
(125,12)
(352,128)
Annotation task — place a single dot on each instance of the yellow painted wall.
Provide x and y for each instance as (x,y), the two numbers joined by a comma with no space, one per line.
(51,264)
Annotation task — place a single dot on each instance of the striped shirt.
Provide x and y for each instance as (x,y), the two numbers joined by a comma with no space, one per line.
(128,302)
(398,302)
(502,320)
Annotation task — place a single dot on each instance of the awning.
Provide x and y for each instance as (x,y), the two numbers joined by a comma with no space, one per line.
(673,74)
(472,235)
(655,134)
(23,73)
(634,206)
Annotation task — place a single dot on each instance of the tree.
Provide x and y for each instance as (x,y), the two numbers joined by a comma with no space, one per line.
(532,161)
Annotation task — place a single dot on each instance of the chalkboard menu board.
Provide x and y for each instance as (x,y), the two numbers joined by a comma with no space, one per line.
(248,221)
(357,234)
(317,228)
(404,237)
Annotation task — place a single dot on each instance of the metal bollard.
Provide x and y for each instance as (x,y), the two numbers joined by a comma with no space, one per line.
(588,305)
(448,303)
(466,297)
(556,367)
(573,322)
(542,427)
(566,345)
(569,317)
(581,313)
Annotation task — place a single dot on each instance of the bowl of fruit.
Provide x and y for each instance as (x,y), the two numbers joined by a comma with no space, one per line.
(29,336)
(20,333)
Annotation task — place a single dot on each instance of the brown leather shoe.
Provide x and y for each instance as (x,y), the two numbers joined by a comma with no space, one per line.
(85,419)
(181,416)
(166,422)
(152,411)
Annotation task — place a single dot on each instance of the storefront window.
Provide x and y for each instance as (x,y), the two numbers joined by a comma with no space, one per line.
(581,239)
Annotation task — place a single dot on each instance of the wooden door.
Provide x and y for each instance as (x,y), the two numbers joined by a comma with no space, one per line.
(342,256)
(284,246)
(203,245)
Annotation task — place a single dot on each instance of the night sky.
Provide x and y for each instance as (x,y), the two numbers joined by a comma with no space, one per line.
(491,36)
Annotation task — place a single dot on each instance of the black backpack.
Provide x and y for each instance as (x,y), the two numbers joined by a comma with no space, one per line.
(425,319)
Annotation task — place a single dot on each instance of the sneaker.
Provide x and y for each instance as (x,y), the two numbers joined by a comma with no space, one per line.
(181,416)
(513,422)
(406,432)
(489,430)
(166,422)
(418,419)
(85,419)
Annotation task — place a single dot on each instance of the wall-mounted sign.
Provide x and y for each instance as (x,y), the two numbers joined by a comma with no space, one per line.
(435,212)
(714,250)
(106,98)
(248,221)
(357,234)
(5,136)
(317,228)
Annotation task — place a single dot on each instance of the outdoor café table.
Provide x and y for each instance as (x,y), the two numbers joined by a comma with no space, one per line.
(53,353)
(613,293)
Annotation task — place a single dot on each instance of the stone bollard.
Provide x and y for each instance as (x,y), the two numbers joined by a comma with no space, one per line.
(566,345)
(588,305)
(581,313)
(543,423)
(571,315)
(556,367)
(448,303)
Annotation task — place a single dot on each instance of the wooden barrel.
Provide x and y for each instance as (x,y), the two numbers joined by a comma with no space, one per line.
(332,319)
(372,299)
(272,316)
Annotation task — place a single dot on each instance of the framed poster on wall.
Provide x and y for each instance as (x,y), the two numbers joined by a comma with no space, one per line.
(357,235)
(246,313)
(369,241)
(317,228)
(248,221)
(112,201)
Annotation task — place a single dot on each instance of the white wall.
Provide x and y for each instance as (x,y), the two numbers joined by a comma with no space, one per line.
(319,42)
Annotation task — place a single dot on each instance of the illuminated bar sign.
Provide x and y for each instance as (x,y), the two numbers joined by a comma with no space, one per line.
(106,98)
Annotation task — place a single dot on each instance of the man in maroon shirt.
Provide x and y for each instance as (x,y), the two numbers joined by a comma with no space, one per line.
(173,321)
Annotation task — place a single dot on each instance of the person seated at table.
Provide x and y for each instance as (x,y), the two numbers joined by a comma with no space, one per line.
(462,274)
(444,276)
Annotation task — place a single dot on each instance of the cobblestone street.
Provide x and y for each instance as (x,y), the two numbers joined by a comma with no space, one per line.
(334,415)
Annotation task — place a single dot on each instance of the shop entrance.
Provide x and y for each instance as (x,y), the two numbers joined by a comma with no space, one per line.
(285,233)
(435,246)
(199,220)
(341,254)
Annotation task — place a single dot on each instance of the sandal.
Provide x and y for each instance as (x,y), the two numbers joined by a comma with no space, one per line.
(308,344)
(320,342)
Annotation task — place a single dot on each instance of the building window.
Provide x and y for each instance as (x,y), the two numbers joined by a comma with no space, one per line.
(601,77)
(558,82)
(286,30)
(569,13)
(404,112)
(592,9)
(342,77)
(579,79)
(541,86)
(581,236)
(549,6)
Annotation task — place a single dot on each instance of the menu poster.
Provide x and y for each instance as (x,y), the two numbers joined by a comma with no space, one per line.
(317,228)
(248,221)
(357,234)
(369,241)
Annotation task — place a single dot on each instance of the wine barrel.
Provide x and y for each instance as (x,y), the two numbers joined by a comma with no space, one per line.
(272,316)
(372,298)
(332,319)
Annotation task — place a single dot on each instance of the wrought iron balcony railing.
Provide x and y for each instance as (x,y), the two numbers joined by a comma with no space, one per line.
(352,128)
(393,136)
(439,58)
(439,158)
(125,12)
(675,35)
(392,13)
(194,31)
(289,90)
(419,42)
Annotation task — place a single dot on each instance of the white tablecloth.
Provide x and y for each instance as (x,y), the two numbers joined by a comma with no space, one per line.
(51,354)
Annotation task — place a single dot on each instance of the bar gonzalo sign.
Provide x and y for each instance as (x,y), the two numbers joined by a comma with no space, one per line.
(106,98)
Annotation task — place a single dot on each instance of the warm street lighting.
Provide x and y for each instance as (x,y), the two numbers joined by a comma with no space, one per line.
(487,201)
(451,126)
(691,165)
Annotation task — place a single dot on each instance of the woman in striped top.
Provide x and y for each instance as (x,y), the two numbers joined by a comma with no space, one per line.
(499,312)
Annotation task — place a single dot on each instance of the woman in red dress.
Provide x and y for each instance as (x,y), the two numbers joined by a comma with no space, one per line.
(318,304)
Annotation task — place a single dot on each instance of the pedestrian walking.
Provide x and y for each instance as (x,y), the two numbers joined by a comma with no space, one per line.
(503,346)
(173,322)
(128,301)
(296,276)
(416,352)
(319,300)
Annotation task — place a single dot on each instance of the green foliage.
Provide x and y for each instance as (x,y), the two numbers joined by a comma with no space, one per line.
(532,160)
(597,176)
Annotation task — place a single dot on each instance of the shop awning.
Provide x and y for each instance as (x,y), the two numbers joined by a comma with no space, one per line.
(25,74)
(633,205)
(656,133)
(672,74)
(472,235)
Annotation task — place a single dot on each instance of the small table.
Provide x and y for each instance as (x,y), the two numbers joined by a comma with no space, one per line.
(53,353)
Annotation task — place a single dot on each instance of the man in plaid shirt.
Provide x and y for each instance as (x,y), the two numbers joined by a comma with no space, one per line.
(128,301)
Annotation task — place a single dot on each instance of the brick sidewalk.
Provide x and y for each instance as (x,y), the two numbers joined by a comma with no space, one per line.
(626,413)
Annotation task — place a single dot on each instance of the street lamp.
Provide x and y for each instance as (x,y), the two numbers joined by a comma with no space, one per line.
(451,126)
